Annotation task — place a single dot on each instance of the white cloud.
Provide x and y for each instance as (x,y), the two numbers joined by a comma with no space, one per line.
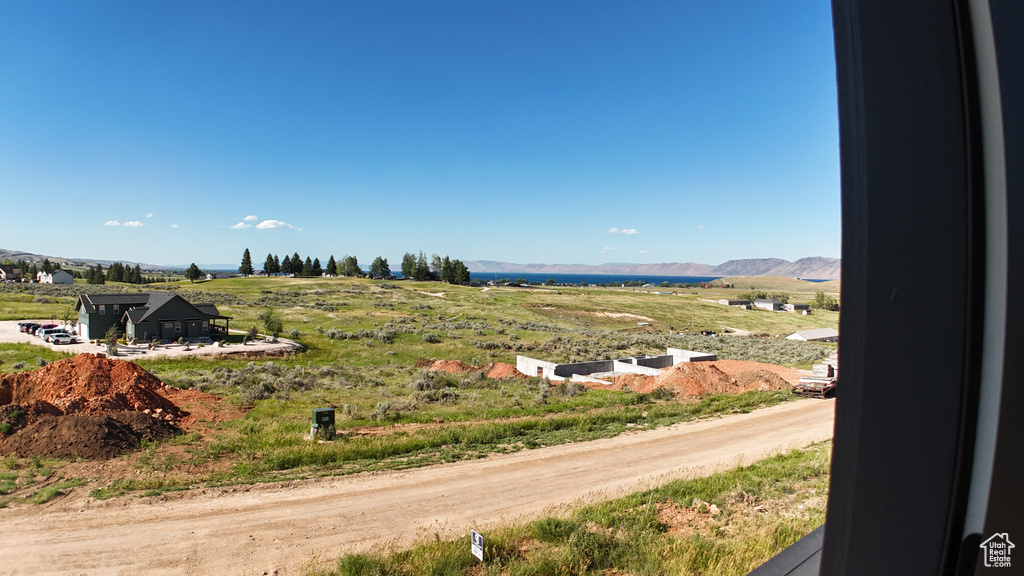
(134,224)
(241,226)
(642,252)
(621,231)
(174,225)
(250,218)
(275,225)
(112,223)
(149,215)
(608,249)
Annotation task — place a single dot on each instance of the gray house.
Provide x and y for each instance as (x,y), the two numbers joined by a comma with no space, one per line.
(148,315)
(56,277)
(10,273)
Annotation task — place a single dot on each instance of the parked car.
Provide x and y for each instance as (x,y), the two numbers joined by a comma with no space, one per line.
(48,336)
(39,330)
(63,338)
(29,327)
(45,333)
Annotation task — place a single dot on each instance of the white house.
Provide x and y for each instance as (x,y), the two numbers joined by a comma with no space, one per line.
(815,335)
(56,277)
(768,304)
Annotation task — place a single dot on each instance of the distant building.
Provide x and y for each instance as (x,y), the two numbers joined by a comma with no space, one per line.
(795,307)
(584,371)
(735,302)
(816,335)
(768,304)
(10,273)
(56,277)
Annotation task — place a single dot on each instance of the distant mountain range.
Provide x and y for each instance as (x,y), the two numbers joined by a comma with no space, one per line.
(816,267)
(16,255)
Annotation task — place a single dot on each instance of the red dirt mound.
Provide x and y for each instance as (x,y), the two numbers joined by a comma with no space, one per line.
(761,380)
(90,437)
(735,367)
(696,379)
(91,406)
(88,385)
(500,371)
(494,370)
(635,382)
(455,366)
(721,377)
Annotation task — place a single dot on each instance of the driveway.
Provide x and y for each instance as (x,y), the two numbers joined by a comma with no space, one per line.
(9,334)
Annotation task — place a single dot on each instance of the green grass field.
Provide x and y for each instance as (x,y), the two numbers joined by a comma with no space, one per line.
(361,340)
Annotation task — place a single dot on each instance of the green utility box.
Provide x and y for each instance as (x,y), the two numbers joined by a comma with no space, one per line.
(323,422)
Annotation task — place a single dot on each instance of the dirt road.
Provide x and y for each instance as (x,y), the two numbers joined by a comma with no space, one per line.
(276,529)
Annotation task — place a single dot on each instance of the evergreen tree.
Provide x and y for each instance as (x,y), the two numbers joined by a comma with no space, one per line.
(137,274)
(193,272)
(245,269)
(408,265)
(96,275)
(47,266)
(296,264)
(33,271)
(116,272)
(422,271)
(379,268)
(268,265)
(316,270)
(332,267)
(277,265)
(460,273)
(307,267)
(447,271)
(286,266)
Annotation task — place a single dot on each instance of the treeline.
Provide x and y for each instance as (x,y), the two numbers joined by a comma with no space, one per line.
(117,272)
(413,267)
(30,269)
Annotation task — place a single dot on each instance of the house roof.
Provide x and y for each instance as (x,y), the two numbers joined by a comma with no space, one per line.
(10,269)
(142,305)
(91,301)
(767,301)
(814,334)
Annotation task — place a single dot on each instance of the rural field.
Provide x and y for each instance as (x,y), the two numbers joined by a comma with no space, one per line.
(421,377)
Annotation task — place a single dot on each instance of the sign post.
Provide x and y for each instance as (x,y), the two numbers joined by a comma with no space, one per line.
(477,544)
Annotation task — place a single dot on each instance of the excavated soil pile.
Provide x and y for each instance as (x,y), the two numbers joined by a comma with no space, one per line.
(88,406)
(500,371)
(494,370)
(695,379)
(89,437)
(454,366)
(88,385)
(761,380)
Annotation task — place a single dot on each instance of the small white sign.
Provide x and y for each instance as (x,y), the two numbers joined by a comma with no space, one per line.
(477,544)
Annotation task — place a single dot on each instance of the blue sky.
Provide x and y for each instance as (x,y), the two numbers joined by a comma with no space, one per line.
(525,131)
